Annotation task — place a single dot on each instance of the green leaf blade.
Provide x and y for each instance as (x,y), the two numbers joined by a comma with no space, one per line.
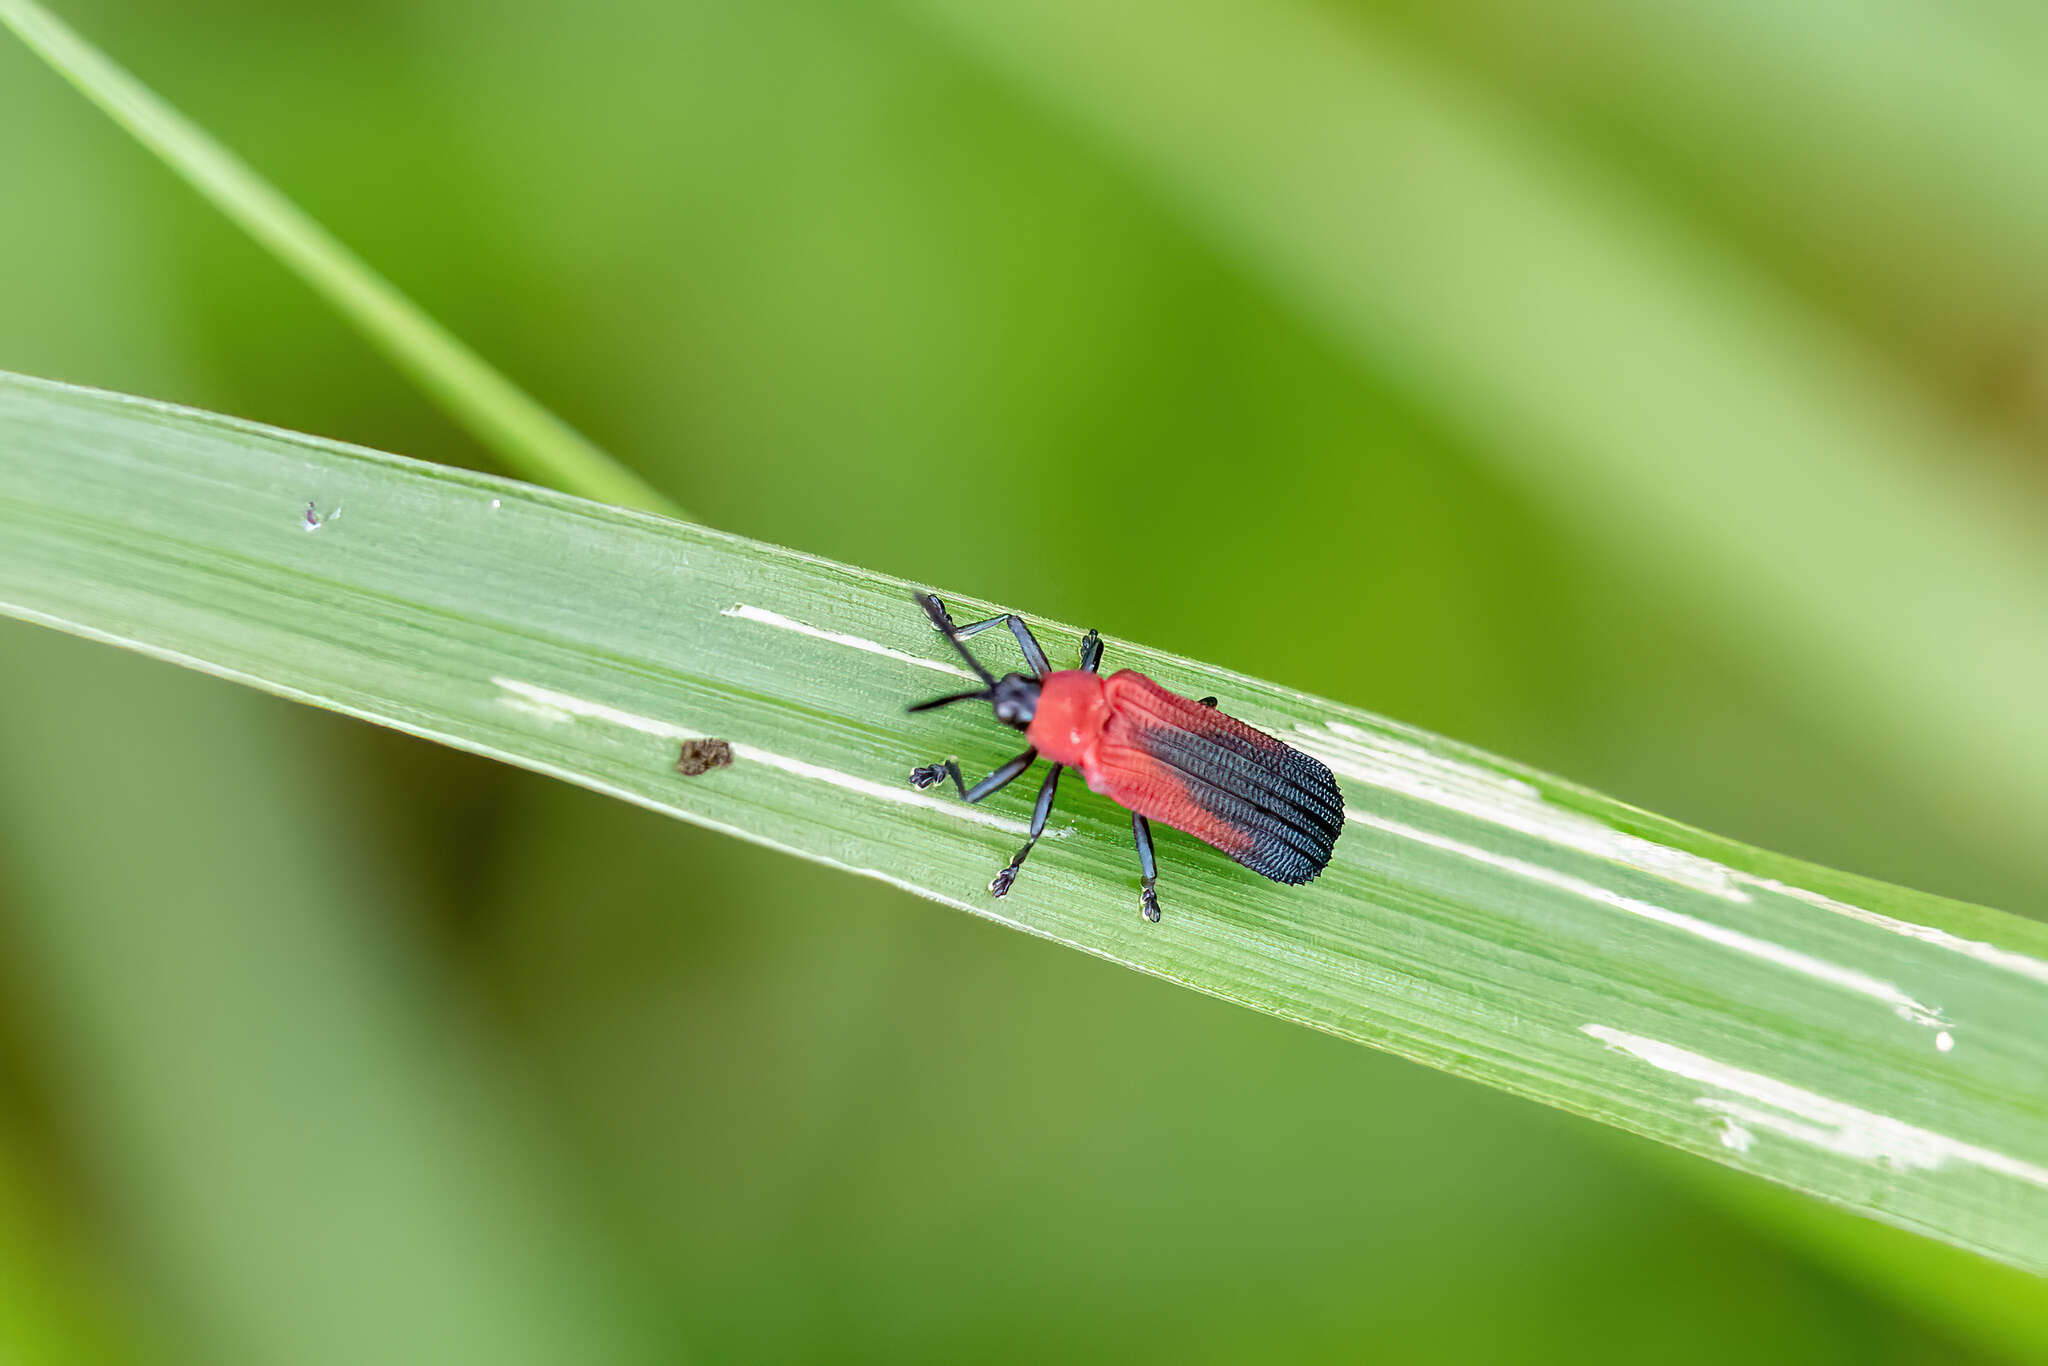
(1872,1046)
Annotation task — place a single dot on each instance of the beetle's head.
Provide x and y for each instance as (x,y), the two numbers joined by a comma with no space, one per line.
(1015,699)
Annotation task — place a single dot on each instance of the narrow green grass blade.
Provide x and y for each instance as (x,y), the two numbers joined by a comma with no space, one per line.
(1715,436)
(532,441)
(1875,1047)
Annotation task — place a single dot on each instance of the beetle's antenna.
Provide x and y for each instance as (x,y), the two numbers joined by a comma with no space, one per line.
(940,619)
(950,700)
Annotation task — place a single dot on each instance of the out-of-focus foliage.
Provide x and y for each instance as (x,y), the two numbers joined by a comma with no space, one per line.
(824,277)
(521,433)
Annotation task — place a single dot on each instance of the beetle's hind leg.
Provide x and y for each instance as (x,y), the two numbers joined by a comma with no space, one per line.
(1148,867)
(1000,884)
(1091,651)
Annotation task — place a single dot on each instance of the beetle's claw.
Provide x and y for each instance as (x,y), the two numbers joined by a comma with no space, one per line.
(931,775)
(999,885)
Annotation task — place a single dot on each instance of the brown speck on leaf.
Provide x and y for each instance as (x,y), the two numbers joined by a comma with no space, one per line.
(701,756)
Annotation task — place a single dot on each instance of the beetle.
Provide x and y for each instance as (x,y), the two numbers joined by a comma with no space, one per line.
(1164,757)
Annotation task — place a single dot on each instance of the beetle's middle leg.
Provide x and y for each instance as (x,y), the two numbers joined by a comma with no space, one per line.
(931,775)
(1000,885)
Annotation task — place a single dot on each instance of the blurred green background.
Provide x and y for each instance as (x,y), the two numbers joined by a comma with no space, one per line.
(829,281)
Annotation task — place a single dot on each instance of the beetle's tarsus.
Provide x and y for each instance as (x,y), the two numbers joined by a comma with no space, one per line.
(931,775)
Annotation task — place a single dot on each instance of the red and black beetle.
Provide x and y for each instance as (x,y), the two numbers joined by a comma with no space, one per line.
(1166,758)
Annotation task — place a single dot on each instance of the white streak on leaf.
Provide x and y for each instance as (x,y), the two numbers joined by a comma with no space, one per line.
(1820,970)
(1766,1103)
(776,619)
(540,711)
(560,707)
(1926,934)
(1498,799)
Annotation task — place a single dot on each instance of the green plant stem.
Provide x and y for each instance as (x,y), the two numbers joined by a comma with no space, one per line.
(531,441)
